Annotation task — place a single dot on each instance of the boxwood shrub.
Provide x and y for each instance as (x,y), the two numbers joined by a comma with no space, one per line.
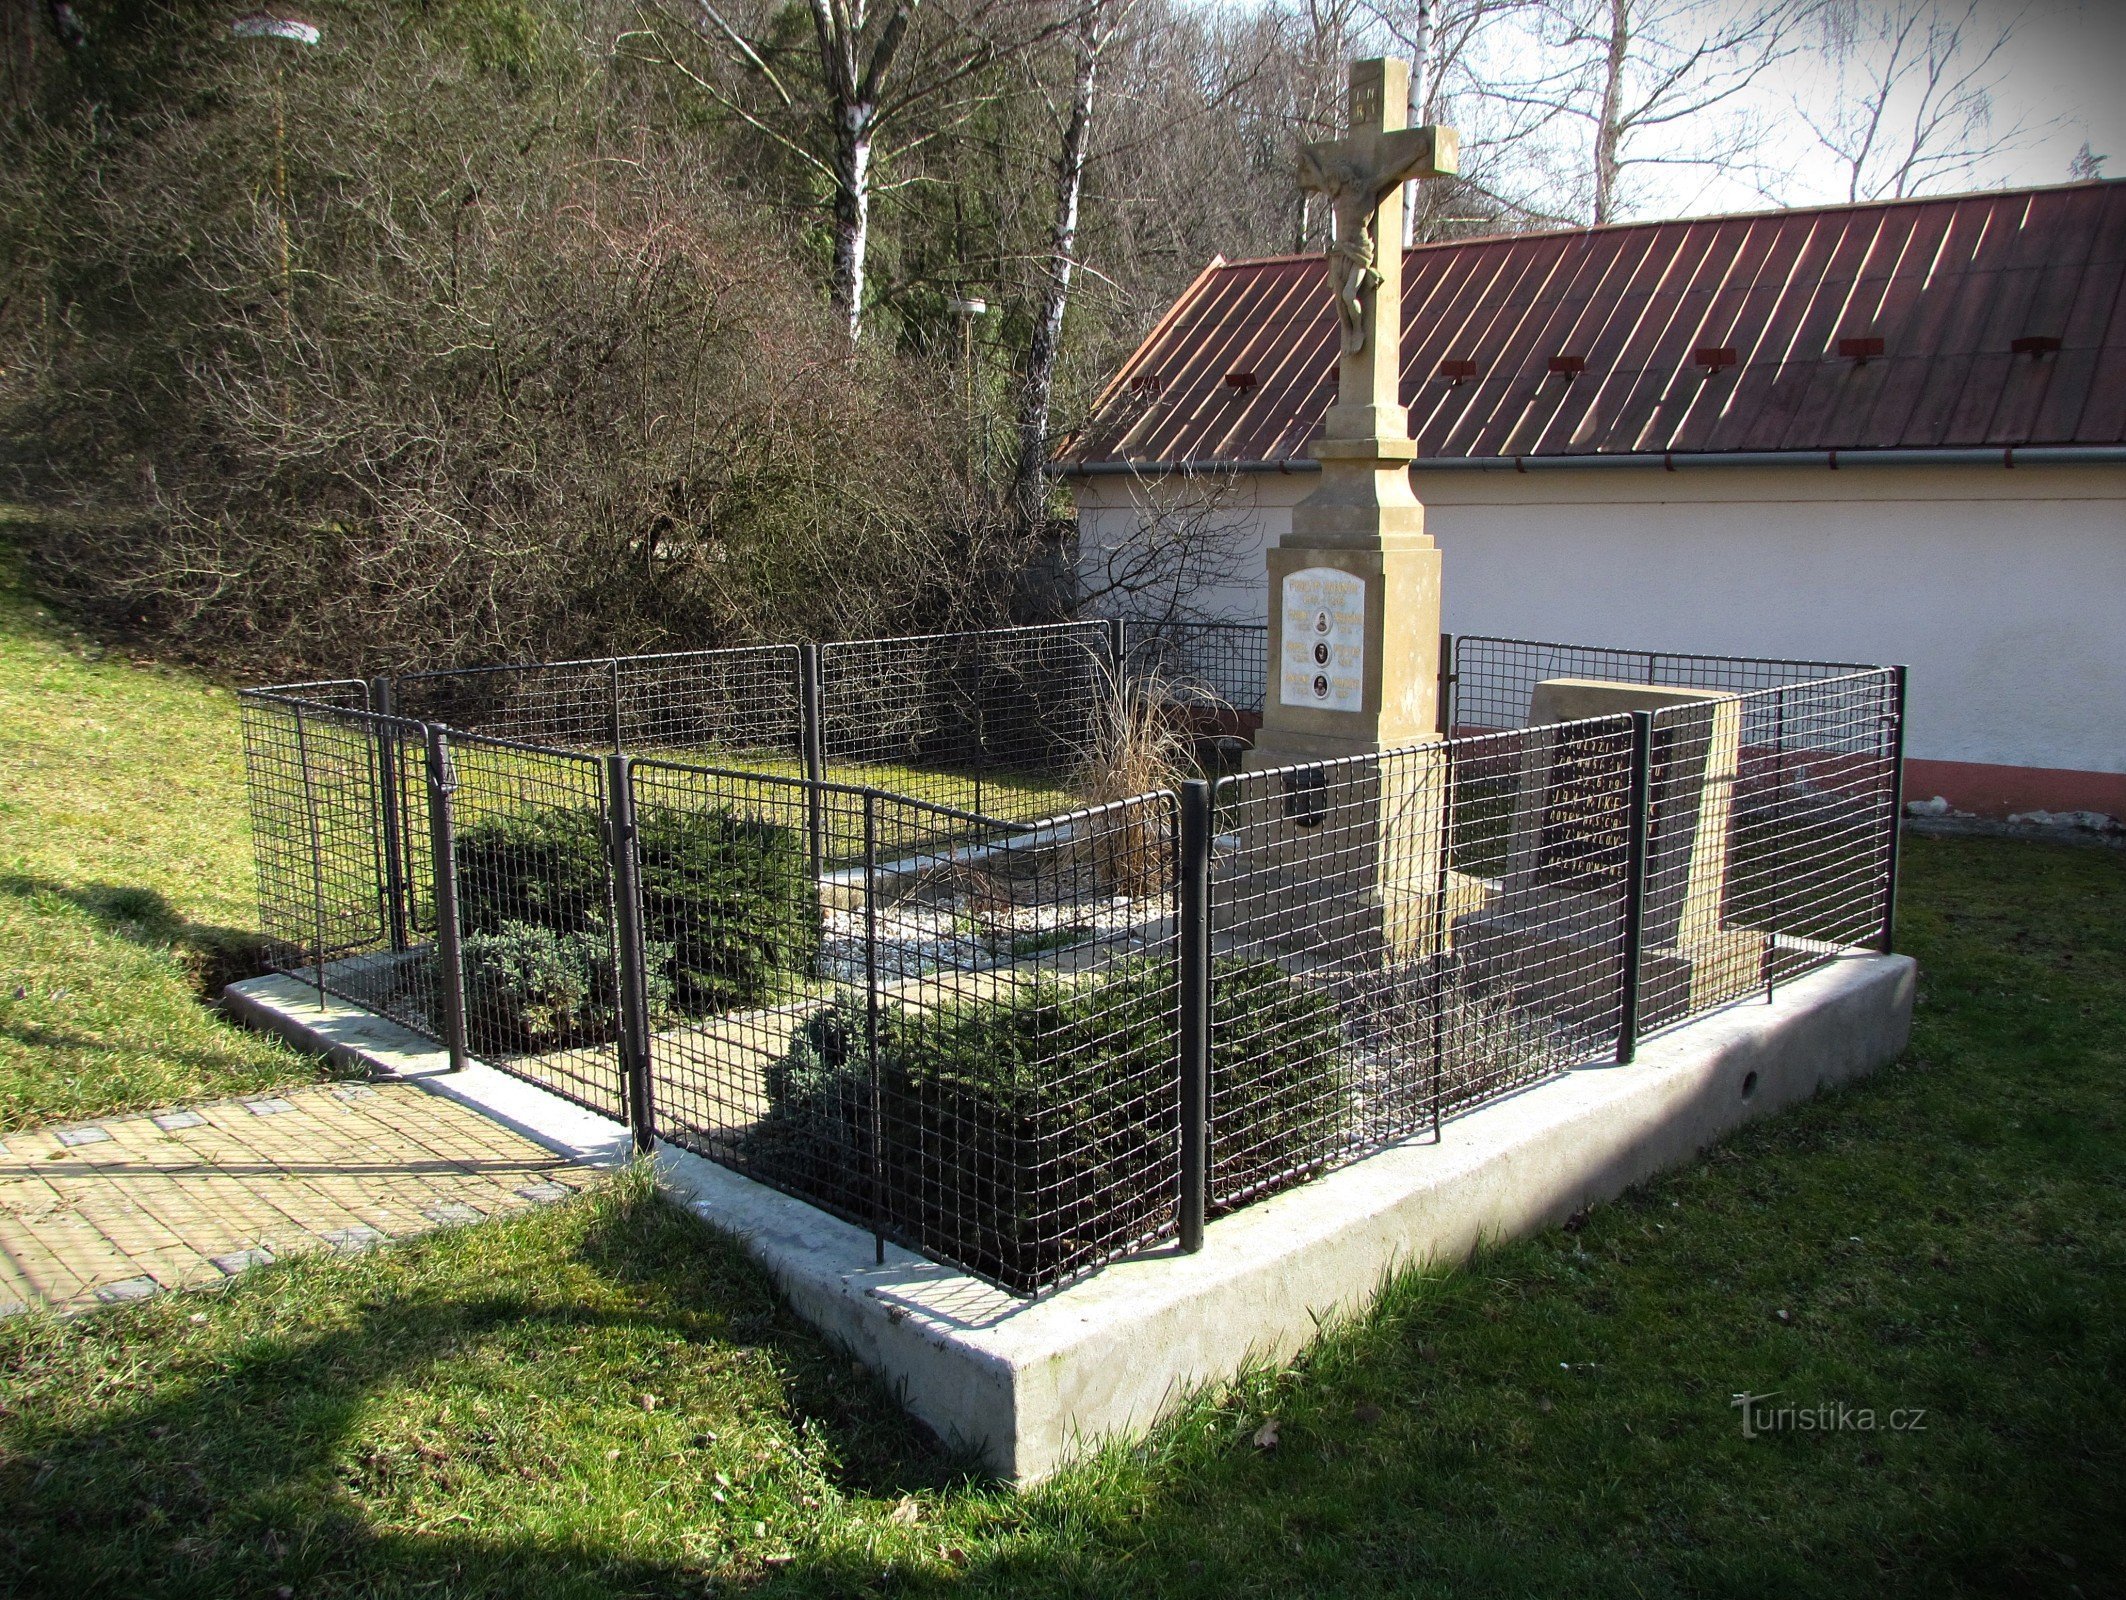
(730,912)
(1028,1133)
(529,989)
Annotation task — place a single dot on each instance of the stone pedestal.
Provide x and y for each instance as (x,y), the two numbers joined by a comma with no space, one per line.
(1550,926)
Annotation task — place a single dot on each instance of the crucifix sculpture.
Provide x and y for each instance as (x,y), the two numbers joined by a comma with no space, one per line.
(1359,175)
(1354,587)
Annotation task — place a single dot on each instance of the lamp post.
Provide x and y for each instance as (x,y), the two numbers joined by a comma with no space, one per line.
(968,310)
(287,28)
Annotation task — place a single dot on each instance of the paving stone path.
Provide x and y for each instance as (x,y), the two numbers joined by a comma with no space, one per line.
(126,1207)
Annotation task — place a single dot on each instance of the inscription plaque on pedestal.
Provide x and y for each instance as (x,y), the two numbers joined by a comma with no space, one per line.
(1324,616)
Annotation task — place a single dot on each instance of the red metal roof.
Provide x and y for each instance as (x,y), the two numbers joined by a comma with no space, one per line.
(1654,310)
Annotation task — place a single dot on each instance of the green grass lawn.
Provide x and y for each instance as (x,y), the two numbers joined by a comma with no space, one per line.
(602,1399)
(125,879)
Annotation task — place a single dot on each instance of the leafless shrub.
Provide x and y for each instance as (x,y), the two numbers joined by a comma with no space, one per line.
(477,377)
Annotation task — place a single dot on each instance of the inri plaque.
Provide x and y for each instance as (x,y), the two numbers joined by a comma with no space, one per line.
(1324,640)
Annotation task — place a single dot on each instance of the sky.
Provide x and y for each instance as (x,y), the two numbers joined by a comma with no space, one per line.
(2063,78)
(2059,81)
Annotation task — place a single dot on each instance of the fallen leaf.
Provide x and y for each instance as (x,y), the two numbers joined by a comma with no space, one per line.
(907,1513)
(648,1402)
(612,1455)
(1266,1435)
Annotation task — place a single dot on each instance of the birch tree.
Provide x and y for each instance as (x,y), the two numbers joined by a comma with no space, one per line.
(1654,82)
(881,84)
(1095,26)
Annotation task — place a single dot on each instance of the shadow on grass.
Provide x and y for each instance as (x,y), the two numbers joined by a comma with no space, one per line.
(213,957)
(281,1455)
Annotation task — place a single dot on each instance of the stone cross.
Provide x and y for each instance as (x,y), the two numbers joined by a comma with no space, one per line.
(1362,175)
(1354,585)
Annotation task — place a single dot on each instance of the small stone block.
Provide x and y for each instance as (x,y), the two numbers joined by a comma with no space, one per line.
(544,1193)
(236,1260)
(267,1108)
(112,1294)
(73,1136)
(359,1237)
(172,1121)
(454,1215)
(353,1091)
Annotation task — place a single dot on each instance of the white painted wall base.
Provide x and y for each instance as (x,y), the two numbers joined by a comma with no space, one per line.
(1029,1383)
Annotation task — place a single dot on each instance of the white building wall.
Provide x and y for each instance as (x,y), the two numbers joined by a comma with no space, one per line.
(2004,591)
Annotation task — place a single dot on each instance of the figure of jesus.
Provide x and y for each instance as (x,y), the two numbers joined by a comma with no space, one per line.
(1358,174)
(1354,196)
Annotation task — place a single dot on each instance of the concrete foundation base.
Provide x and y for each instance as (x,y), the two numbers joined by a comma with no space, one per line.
(1028,1384)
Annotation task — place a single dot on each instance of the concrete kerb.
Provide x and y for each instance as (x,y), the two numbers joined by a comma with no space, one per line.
(350,1037)
(1029,1384)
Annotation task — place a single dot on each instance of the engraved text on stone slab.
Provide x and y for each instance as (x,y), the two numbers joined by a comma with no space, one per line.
(1324,662)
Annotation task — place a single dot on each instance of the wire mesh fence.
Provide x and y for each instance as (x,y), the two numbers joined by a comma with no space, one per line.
(965,1046)
(538,963)
(990,722)
(1772,820)
(1453,913)
(1228,662)
(738,703)
(1016,1033)
(331,902)
(1491,681)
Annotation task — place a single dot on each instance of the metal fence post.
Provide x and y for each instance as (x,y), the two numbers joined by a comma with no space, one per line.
(1635,828)
(390,821)
(612,675)
(878,1128)
(1448,678)
(1897,805)
(442,841)
(1117,643)
(632,963)
(1777,914)
(317,856)
(812,740)
(1197,812)
(1441,960)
